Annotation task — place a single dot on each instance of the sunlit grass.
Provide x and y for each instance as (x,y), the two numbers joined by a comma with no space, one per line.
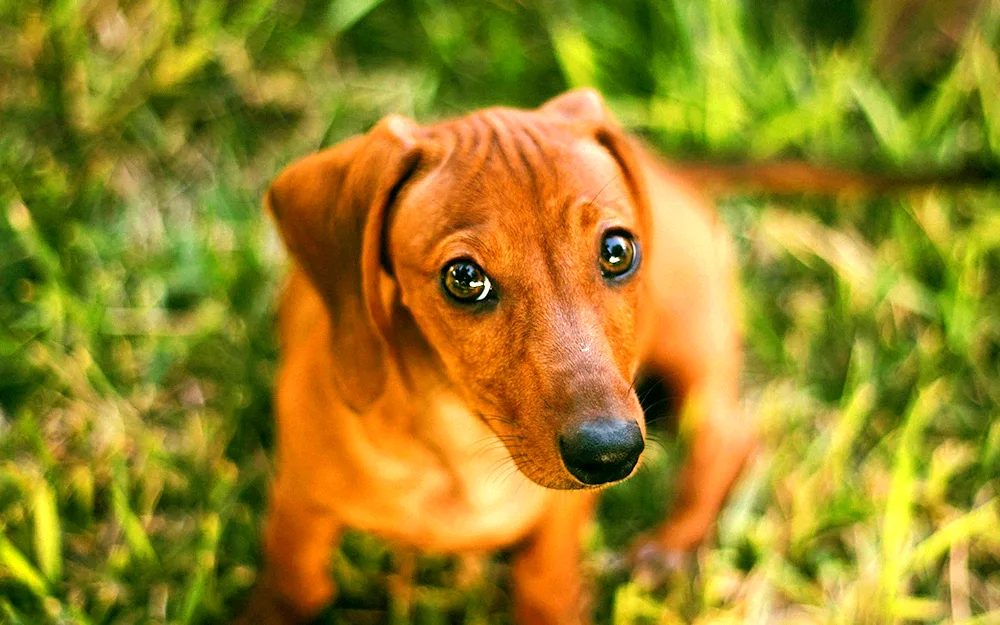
(138,279)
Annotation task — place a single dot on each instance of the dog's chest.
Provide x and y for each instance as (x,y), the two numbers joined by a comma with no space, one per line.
(451,485)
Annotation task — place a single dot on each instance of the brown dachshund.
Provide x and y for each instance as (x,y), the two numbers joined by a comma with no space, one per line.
(502,277)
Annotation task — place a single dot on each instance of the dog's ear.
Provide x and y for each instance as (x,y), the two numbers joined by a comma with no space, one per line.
(330,208)
(579,105)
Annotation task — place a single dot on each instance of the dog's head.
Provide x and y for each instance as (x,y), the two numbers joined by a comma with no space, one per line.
(513,242)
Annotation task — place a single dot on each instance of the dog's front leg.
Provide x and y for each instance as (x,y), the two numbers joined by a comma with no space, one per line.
(720,441)
(295,585)
(719,444)
(548,587)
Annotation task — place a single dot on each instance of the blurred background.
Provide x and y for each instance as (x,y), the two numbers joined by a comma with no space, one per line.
(138,280)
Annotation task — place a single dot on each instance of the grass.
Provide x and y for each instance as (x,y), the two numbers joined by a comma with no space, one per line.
(138,280)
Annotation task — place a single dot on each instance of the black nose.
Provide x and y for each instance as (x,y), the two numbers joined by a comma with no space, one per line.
(601,450)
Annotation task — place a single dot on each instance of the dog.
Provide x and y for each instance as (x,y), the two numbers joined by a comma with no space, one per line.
(484,293)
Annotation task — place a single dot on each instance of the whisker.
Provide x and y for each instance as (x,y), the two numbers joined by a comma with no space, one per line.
(494,442)
(486,446)
(655,404)
(493,417)
(497,447)
(629,389)
(500,465)
(656,441)
(511,471)
(606,184)
(613,200)
(644,466)
(659,417)
(647,393)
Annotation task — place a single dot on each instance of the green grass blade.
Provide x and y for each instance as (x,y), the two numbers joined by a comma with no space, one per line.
(896,521)
(194,595)
(984,520)
(987,70)
(136,537)
(19,567)
(11,616)
(891,130)
(48,531)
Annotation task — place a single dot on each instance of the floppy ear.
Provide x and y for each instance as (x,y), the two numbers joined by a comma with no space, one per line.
(585,110)
(330,208)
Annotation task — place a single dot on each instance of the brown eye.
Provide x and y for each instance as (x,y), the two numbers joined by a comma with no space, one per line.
(618,253)
(466,281)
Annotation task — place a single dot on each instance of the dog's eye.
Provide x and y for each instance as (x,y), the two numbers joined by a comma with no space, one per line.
(466,281)
(618,253)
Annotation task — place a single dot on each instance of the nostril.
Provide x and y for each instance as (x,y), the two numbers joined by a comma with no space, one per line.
(602,450)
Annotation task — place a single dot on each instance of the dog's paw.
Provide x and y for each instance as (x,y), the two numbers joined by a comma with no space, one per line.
(656,566)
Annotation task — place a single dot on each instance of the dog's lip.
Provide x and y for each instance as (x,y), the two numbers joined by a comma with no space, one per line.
(576,484)
(585,486)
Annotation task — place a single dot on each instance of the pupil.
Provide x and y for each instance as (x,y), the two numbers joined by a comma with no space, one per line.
(465,275)
(614,250)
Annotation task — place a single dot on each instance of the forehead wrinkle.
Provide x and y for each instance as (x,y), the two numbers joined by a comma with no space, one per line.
(530,155)
(542,145)
(500,139)
(504,148)
(440,145)
(473,149)
(484,155)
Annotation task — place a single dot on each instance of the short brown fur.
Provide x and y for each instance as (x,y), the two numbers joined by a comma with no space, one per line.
(403,413)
